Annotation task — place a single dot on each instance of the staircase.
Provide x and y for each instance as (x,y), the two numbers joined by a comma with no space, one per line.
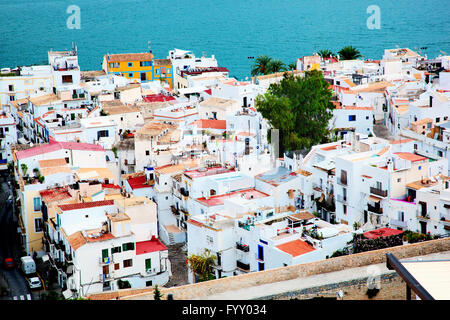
(171,239)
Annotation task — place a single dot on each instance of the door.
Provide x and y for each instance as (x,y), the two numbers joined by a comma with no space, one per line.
(245,102)
(260,252)
(143,76)
(423,227)
(260,266)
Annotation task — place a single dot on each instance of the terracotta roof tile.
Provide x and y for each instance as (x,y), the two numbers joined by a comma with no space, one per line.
(295,248)
(85,205)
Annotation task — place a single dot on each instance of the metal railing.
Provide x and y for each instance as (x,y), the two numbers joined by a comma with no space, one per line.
(378,192)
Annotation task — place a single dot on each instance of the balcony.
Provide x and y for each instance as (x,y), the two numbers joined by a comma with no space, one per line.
(423,218)
(243,266)
(242,247)
(374,209)
(378,192)
(398,223)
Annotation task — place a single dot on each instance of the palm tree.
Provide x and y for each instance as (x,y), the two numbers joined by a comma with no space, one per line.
(349,53)
(325,53)
(202,264)
(261,65)
(292,66)
(277,66)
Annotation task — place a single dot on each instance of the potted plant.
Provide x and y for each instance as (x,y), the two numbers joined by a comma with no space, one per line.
(405,239)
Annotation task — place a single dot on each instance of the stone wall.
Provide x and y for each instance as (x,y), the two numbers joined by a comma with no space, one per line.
(392,287)
(204,289)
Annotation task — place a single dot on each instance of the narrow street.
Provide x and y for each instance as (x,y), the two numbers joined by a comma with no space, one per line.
(9,247)
(177,259)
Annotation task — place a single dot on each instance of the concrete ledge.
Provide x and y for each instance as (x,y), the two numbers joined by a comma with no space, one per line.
(213,287)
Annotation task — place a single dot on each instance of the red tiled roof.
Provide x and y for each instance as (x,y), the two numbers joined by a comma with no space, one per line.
(57,145)
(149,246)
(55,194)
(85,205)
(212,124)
(158,98)
(410,156)
(110,186)
(296,247)
(383,232)
(138,182)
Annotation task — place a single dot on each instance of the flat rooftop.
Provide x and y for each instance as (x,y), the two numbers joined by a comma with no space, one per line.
(218,200)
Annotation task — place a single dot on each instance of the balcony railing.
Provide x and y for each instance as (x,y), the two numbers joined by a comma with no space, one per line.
(378,192)
(243,266)
(374,209)
(398,223)
(341,198)
(242,247)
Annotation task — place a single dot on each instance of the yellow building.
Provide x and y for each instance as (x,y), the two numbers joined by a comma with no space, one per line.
(140,67)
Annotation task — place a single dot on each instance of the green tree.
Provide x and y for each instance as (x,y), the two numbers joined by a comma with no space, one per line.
(349,53)
(202,264)
(325,53)
(292,66)
(276,65)
(157,295)
(300,107)
(261,65)
(24,169)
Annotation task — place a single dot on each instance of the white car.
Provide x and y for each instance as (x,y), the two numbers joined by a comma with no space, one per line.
(34,283)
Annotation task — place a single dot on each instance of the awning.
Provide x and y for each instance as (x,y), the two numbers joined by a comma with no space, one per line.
(374,199)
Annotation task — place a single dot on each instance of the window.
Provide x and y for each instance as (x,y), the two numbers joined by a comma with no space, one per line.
(145,63)
(163,70)
(399,179)
(102,133)
(67,79)
(156,71)
(438,119)
(6,129)
(344,207)
(38,225)
(147,152)
(401,216)
(116,249)
(114,65)
(148,264)
(367,117)
(11,87)
(352,117)
(143,76)
(128,246)
(168,71)
(105,255)
(127,263)
(148,283)
(116,266)
(130,75)
(130,64)
(37,204)
(12,98)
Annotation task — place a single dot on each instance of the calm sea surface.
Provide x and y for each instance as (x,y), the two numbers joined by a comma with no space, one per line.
(232,30)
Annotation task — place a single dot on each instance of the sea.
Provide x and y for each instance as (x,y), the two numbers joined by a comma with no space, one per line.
(235,31)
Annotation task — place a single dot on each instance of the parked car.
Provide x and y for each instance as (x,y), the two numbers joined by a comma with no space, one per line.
(8,263)
(34,283)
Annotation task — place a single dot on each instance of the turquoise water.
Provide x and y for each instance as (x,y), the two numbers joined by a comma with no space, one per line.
(232,30)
